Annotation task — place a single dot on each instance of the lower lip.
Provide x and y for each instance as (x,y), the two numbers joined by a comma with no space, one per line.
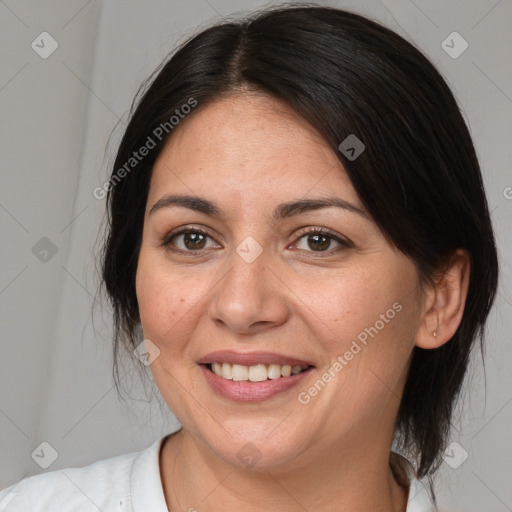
(245,391)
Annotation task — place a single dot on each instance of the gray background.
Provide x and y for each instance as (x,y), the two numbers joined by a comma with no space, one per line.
(56,116)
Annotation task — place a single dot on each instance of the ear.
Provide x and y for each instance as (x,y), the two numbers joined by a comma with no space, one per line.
(444,302)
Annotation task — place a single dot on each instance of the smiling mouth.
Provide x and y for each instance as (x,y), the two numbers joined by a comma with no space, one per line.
(254,373)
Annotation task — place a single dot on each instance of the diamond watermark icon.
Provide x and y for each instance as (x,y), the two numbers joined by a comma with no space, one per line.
(146,352)
(249,249)
(45,455)
(454,45)
(455,455)
(249,455)
(44,250)
(44,45)
(352,147)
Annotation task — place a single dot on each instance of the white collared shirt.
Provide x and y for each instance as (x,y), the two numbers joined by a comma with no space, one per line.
(128,483)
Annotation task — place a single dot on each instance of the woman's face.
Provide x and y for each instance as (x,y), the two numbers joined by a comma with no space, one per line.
(259,288)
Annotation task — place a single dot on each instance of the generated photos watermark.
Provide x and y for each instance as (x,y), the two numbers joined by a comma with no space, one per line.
(343,360)
(157,135)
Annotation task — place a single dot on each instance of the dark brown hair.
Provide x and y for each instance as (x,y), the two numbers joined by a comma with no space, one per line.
(419,177)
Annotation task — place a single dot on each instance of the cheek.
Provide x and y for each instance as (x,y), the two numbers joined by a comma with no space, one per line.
(384,320)
(354,300)
(162,297)
(368,316)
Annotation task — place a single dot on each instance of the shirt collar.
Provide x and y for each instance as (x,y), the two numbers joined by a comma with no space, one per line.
(418,498)
(146,482)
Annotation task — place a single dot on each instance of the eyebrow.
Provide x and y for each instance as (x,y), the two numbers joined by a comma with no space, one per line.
(283,211)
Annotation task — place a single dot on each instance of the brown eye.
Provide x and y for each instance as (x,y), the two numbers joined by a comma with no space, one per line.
(319,240)
(186,241)
(193,240)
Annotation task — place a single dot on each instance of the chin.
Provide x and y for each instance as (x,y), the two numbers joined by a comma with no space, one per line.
(252,445)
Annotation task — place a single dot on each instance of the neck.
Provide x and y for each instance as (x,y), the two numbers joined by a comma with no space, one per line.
(196,479)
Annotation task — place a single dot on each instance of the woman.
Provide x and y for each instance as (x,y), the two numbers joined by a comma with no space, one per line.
(297,223)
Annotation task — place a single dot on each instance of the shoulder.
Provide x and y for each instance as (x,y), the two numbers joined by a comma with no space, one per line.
(103,485)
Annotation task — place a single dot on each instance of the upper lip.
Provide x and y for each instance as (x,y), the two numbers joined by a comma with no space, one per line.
(251,358)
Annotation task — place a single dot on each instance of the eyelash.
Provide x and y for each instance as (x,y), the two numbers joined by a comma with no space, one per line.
(344,244)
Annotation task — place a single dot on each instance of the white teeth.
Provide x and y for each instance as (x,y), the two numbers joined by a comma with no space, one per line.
(274,371)
(226,371)
(255,373)
(239,372)
(286,370)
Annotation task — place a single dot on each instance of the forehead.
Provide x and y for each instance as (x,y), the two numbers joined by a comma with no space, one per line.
(250,144)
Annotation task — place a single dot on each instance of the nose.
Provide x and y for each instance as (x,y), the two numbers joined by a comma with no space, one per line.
(250,298)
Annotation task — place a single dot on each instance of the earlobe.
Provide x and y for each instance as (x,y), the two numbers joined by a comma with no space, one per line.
(445,302)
